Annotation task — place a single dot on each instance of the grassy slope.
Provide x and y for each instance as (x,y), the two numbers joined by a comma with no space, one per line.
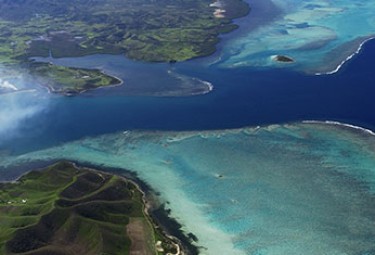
(65,210)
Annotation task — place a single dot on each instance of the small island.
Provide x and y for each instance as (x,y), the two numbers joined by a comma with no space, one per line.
(283,59)
(64,209)
(153,31)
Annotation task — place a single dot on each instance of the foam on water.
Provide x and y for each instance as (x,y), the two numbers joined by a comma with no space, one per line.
(318,35)
(305,188)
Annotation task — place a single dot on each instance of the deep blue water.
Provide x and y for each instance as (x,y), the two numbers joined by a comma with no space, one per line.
(313,172)
(242,97)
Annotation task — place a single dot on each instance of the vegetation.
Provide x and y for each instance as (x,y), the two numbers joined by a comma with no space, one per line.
(147,30)
(150,30)
(70,80)
(66,210)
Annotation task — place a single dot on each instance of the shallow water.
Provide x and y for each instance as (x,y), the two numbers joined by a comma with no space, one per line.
(281,189)
(241,97)
(318,35)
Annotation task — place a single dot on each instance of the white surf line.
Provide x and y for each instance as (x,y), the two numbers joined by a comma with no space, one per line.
(337,123)
(348,58)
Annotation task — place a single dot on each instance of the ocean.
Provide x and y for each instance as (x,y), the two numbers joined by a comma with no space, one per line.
(239,167)
(241,97)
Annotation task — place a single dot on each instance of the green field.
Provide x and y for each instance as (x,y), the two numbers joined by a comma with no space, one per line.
(67,210)
(145,30)
(150,30)
(68,80)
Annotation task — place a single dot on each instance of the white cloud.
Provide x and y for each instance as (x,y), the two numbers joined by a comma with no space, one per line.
(16,109)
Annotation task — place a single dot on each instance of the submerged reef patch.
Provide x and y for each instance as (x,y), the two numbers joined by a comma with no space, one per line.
(308,31)
(265,190)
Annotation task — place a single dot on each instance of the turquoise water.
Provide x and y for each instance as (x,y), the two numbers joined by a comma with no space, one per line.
(303,188)
(280,189)
(228,97)
(318,35)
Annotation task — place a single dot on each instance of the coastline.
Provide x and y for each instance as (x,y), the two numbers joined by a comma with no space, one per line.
(236,10)
(51,90)
(158,217)
(162,215)
(120,83)
(178,85)
(150,204)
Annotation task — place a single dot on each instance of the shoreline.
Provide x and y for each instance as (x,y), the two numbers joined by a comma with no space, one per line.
(198,87)
(157,215)
(149,204)
(121,82)
(51,90)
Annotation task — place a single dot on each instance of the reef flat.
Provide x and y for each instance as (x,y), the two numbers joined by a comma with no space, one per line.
(260,190)
(63,209)
(319,35)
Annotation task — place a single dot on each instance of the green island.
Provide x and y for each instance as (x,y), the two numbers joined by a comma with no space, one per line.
(64,210)
(145,30)
(283,59)
(70,81)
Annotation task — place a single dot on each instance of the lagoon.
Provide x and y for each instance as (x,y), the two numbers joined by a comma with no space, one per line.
(240,160)
(270,190)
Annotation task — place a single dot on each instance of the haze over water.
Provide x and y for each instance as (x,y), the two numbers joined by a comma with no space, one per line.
(298,188)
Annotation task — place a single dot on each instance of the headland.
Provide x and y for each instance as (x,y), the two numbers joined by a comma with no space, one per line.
(66,209)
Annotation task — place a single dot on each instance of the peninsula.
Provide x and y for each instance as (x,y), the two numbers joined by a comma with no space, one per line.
(153,31)
(63,210)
